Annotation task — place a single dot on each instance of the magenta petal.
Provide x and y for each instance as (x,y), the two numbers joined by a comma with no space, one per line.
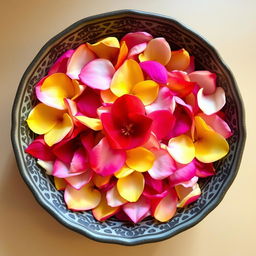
(80,161)
(88,141)
(104,160)
(78,181)
(98,74)
(163,166)
(183,174)
(137,211)
(39,149)
(155,71)
(204,170)
(153,184)
(60,66)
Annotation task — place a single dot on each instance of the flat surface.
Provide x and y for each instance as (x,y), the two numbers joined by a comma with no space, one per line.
(26,229)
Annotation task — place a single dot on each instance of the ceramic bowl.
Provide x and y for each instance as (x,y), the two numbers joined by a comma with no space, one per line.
(117,24)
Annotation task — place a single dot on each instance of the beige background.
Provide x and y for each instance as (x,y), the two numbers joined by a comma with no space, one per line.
(25,228)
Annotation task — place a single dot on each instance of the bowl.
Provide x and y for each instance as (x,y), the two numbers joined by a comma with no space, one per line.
(117,24)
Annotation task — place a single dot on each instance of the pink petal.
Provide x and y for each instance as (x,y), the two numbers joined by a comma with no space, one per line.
(88,140)
(217,124)
(163,123)
(39,149)
(98,74)
(135,38)
(81,56)
(155,71)
(190,183)
(205,79)
(136,50)
(137,211)
(163,166)
(152,142)
(104,160)
(164,101)
(204,170)
(183,174)
(60,66)
(212,103)
(78,181)
(153,185)
(61,170)
(187,195)
(80,161)
(113,197)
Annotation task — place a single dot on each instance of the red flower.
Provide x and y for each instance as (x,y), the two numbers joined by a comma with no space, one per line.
(126,125)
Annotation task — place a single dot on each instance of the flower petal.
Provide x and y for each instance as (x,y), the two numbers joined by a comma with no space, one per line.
(78,181)
(152,142)
(122,55)
(93,123)
(191,67)
(155,71)
(146,90)
(204,170)
(100,157)
(182,149)
(46,165)
(60,65)
(59,183)
(180,60)
(108,96)
(106,48)
(126,77)
(81,56)
(113,197)
(137,211)
(131,186)
(205,79)
(163,166)
(103,211)
(140,159)
(212,103)
(80,161)
(158,50)
(43,118)
(209,146)
(187,195)
(54,89)
(123,172)
(166,207)
(136,50)
(59,131)
(84,199)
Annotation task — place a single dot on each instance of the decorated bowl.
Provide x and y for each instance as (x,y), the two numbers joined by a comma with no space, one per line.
(117,24)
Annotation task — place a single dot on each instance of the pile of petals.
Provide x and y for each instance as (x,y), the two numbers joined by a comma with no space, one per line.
(126,128)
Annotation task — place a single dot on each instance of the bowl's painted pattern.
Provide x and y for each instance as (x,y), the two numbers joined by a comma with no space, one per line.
(117,24)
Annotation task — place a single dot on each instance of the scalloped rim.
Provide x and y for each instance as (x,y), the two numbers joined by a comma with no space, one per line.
(148,238)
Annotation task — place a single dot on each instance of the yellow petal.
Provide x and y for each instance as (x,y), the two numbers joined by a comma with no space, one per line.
(140,159)
(209,146)
(43,118)
(146,90)
(78,88)
(182,149)
(126,77)
(106,48)
(93,123)
(131,186)
(123,172)
(179,60)
(59,131)
(55,89)
(108,96)
(60,184)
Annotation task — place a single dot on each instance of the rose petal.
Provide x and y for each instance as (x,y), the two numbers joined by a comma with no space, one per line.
(212,103)
(81,56)
(80,161)
(136,50)
(60,184)
(191,66)
(123,172)
(190,183)
(187,195)
(93,123)
(140,159)
(180,60)
(182,149)
(163,166)
(146,90)
(158,50)
(59,131)
(78,181)
(81,200)
(155,71)
(122,55)
(137,211)
(108,96)
(131,186)
(100,157)
(204,170)
(113,197)
(101,181)
(46,165)
(126,77)
(106,48)
(152,142)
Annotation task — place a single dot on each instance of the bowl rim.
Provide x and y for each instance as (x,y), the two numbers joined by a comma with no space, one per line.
(153,238)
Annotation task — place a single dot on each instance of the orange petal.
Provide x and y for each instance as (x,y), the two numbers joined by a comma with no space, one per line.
(131,186)
(108,96)
(59,131)
(106,48)
(43,118)
(93,123)
(180,60)
(60,184)
(100,181)
(126,77)
(158,50)
(122,55)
